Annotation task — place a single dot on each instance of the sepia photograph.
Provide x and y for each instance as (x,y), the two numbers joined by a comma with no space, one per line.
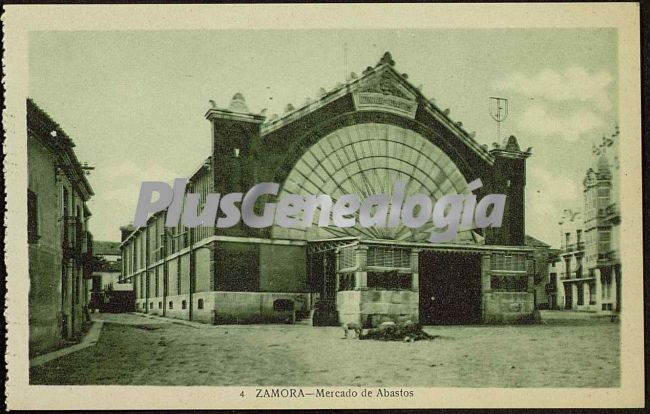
(313,215)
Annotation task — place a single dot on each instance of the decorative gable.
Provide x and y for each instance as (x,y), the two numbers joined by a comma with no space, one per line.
(384,92)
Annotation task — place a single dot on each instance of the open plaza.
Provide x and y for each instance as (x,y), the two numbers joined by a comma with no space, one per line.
(140,350)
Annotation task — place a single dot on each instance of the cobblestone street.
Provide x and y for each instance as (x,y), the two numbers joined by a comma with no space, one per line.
(138,350)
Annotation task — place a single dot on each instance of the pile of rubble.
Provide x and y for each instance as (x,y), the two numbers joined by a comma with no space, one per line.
(389,331)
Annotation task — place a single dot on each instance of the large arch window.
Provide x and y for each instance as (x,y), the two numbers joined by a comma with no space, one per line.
(367,159)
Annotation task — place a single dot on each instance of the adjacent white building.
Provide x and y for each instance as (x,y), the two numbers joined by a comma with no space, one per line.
(587,270)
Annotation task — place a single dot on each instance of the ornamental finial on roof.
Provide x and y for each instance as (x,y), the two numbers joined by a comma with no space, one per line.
(387,59)
(512,144)
(238,104)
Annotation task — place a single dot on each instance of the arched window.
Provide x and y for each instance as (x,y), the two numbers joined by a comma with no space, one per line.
(367,159)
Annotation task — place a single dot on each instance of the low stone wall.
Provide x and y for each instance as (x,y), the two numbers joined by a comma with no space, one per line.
(251,307)
(372,307)
(228,307)
(508,307)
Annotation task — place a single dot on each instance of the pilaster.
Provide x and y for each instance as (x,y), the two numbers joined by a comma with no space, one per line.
(598,287)
(361,274)
(415,269)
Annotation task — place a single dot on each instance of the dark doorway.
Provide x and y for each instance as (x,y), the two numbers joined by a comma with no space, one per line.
(568,294)
(450,288)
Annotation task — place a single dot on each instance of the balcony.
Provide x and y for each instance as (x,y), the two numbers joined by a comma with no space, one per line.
(576,274)
(578,247)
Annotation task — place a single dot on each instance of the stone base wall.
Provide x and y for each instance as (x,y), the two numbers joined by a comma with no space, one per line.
(228,307)
(508,307)
(372,307)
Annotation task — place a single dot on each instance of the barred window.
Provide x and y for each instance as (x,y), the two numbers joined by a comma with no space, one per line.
(347,258)
(509,283)
(388,257)
(508,262)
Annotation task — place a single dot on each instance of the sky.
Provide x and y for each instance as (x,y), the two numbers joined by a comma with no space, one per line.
(134,101)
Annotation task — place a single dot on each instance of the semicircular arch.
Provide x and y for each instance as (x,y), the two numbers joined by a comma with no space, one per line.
(367,159)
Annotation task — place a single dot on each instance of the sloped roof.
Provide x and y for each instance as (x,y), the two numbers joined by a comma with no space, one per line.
(47,131)
(533,242)
(393,83)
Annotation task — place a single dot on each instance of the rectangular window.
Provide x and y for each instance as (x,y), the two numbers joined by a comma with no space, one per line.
(603,241)
(134,254)
(143,253)
(388,257)
(157,282)
(509,283)
(501,261)
(178,278)
(32,217)
(347,258)
(389,280)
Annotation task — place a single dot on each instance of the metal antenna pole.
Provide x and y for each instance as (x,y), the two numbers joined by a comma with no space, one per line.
(498,112)
(345,61)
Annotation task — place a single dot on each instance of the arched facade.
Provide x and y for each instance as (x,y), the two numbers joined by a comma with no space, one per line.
(358,138)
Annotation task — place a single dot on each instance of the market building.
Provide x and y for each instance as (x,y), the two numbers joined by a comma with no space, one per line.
(359,137)
(60,243)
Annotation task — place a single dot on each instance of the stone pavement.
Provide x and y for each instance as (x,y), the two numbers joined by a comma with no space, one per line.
(137,350)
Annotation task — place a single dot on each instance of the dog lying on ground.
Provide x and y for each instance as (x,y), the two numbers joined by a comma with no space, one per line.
(389,331)
(352,326)
(358,329)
